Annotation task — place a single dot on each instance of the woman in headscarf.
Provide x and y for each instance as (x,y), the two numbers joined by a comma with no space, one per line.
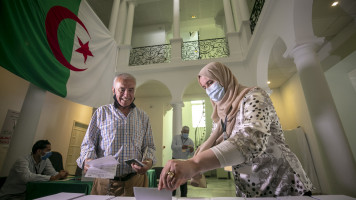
(246,135)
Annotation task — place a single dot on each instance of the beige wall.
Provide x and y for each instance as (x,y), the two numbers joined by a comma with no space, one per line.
(56,119)
(12,93)
(56,122)
(156,109)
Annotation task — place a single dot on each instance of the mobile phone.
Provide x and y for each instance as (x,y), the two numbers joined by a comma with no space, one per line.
(137,162)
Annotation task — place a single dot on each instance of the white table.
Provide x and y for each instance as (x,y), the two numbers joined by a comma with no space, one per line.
(77,196)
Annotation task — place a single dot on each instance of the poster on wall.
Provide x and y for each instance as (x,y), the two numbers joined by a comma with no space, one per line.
(8,127)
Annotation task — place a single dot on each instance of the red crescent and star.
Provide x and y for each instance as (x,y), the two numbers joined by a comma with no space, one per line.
(54,17)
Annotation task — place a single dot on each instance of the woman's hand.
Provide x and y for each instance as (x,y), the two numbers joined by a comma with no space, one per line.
(177,172)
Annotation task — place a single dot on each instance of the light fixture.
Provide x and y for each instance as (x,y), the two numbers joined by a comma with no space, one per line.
(193,16)
(335,3)
(268,82)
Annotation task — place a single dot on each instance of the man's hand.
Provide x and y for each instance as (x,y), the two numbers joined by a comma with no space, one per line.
(86,166)
(61,175)
(142,170)
(191,149)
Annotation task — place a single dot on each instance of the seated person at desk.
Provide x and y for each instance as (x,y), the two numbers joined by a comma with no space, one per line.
(33,167)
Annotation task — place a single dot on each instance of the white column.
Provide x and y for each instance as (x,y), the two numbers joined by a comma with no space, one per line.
(228,17)
(129,22)
(176,41)
(236,14)
(338,159)
(176,19)
(177,117)
(245,13)
(25,131)
(120,27)
(114,16)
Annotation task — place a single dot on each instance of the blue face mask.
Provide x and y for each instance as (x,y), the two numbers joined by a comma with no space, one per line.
(185,135)
(47,155)
(216,92)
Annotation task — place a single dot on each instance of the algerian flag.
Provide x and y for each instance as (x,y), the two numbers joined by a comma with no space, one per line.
(60,46)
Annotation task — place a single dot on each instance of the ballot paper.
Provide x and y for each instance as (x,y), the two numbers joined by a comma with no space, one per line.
(61,196)
(143,193)
(104,167)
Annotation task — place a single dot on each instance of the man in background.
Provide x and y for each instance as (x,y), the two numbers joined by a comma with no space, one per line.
(116,126)
(33,167)
(182,147)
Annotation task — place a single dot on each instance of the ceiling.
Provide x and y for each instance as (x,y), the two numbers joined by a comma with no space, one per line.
(327,22)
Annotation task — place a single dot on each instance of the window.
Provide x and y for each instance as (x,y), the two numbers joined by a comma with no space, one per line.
(198,113)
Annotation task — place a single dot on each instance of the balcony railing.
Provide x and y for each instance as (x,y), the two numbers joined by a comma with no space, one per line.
(194,50)
(205,49)
(255,14)
(150,55)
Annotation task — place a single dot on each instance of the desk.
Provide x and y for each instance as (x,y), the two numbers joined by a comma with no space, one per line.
(41,189)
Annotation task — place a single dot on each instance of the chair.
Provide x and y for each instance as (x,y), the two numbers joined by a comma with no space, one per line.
(2,181)
(158,171)
(56,160)
(78,171)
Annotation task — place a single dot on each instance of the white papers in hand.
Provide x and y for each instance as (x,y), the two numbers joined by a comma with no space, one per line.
(104,167)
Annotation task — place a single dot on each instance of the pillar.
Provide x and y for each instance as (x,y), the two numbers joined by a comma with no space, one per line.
(176,19)
(177,117)
(230,26)
(338,160)
(114,17)
(129,22)
(25,131)
(176,41)
(121,24)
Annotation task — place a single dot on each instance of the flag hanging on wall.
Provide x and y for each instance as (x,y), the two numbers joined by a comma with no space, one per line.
(60,46)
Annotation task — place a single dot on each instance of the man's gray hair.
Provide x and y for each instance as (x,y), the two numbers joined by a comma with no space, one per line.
(124,76)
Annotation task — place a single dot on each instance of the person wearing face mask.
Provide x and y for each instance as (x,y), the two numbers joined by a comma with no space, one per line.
(123,131)
(182,148)
(246,135)
(33,167)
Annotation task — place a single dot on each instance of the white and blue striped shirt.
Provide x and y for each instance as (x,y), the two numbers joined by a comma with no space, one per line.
(110,129)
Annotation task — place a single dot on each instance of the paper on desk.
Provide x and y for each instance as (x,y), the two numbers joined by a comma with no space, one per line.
(143,193)
(294,198)
(96,197)
(61,196)
(104,167)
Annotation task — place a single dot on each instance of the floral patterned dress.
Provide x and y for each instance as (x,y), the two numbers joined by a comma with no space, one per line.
(269,168)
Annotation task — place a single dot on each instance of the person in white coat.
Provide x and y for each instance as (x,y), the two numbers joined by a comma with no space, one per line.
(182,148)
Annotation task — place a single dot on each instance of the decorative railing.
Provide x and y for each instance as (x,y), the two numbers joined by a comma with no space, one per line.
(150,55)
(256,11)
(194,50)
(204,49)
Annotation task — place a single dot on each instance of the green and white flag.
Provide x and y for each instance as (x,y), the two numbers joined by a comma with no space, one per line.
(60,46)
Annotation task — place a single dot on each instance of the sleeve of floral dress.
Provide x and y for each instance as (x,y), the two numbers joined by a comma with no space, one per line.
(251,131)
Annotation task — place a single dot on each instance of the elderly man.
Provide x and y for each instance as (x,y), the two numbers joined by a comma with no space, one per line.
(182,147)
(33,167)
(116,126)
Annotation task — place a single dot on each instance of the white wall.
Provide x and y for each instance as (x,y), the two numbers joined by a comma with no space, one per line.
(344,96)
(167,136)
(291,100)
(148,35)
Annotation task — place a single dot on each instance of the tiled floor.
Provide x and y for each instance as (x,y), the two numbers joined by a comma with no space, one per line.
(215,188)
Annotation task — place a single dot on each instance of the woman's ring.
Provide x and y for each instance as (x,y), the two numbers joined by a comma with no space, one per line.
(170,174)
